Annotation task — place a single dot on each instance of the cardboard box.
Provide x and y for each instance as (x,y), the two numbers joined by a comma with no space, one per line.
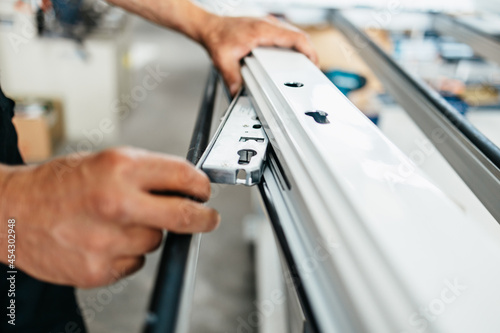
(336,52)
(39,125)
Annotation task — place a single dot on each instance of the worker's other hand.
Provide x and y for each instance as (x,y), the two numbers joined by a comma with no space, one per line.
(229,39)
(87,221)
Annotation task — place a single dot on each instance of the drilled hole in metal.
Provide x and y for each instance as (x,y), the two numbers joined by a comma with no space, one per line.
(246,155)
(321,117)
(294,84)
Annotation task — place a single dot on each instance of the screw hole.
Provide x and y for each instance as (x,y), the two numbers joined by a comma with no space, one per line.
(246,155)
(294,84)
(321,117)
(257,126)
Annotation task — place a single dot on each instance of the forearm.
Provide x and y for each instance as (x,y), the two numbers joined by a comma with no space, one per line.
(181,15)
(227,39)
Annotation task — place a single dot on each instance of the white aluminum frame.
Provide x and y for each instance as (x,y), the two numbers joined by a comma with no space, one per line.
(395,243)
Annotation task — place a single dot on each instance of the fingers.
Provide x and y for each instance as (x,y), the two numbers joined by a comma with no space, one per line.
(117,253)
(127,266)
(167,173)
(152,171)
(174,214)
(139,240)
(303,45)
(229,66)
(229,50)
(127,197)
(285,35)
(300,40)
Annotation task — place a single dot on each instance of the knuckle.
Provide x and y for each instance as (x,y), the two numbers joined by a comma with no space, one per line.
(182,216)
(306,38)
(193,217)
(153,241)
(115,159)
(156,239)
(258,24)
(134,265)
(185,174)
(156,243)
(185,215)
(301,36)
(95,273)
(99,243)
(108,205)
(143,240)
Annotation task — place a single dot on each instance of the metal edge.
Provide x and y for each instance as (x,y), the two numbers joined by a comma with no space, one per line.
(342,316)
(178,260)
(484,44)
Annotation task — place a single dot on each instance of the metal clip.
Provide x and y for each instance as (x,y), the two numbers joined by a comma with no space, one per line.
(237,153)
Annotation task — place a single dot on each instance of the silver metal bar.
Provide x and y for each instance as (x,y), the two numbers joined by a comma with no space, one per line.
(370,247)
(237,153)
(475,158)
(483,43)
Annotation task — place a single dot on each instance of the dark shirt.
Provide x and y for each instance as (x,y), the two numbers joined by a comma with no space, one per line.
(9,154)
(40,306)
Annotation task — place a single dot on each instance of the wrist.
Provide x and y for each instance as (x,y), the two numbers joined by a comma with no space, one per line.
(201,25)
(208,28)
(183,16)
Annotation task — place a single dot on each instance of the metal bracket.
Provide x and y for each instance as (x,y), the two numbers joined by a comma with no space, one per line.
(237,153)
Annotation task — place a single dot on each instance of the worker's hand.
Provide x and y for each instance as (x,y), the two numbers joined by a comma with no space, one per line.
(87,221)
(229,39)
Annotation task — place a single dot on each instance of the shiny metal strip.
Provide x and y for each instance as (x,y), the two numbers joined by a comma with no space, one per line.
(237,153)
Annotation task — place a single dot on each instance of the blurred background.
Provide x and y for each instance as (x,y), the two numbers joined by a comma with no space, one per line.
(89,76)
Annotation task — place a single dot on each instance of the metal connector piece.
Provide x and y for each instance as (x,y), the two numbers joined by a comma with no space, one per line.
(237,152)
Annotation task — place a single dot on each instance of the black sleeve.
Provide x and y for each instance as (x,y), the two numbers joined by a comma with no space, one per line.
(40,307)
(9,153)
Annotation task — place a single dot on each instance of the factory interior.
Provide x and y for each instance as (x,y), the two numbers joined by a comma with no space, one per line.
(112,79)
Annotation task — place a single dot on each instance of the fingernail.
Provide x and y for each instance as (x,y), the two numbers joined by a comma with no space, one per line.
(218,220)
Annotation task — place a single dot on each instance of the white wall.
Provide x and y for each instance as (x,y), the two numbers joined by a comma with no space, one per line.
(488,5)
